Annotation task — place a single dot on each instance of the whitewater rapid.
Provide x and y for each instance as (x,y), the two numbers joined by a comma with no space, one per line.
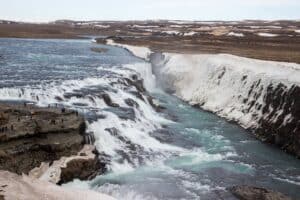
(262,96)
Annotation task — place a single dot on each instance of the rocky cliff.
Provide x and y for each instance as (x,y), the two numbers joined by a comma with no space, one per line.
(261,96)
(30,136)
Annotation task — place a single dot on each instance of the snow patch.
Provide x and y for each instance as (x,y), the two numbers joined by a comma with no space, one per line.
(171,32)
(267,35)
(141,52)
(190,33)
(236,34)
(145,26)
(102,26)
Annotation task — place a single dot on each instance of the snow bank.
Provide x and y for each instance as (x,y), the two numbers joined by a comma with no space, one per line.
(141,52)
(145,26)
(171,32)
(190,33)
(267,35)
(235,34)
(102,26)
(26,188)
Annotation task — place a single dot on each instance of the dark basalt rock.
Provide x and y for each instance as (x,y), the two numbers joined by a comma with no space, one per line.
(255,193)
(279,102)
(131,102)
(157,108)
(244,78)
(283,133)
(80,104)
(108,101)
(58,98)
(138,84)
(70,95)
(89,138)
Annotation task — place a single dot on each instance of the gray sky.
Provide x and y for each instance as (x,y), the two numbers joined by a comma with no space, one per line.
(49,10)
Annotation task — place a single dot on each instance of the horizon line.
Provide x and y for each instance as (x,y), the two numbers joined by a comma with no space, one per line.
(142,20)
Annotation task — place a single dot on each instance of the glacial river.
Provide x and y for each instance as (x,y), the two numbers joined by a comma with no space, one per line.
(178,152)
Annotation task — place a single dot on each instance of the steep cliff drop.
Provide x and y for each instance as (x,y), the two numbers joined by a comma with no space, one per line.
(262,96)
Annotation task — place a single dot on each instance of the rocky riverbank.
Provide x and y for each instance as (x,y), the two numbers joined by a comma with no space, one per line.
(31,135)
(47,144)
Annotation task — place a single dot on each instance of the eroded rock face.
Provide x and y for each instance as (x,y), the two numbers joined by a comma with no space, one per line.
(285,126)
(31,135)
(84,166)
(255,193)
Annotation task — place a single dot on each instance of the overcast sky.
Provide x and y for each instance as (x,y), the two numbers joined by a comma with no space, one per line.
(49,10)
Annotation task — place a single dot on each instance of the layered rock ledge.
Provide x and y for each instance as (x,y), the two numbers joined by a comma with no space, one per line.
(30,135)
(48,146)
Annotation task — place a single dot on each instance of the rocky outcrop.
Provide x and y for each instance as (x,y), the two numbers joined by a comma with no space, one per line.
(281,122)
(30,136)
(84,166)
(251,193)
